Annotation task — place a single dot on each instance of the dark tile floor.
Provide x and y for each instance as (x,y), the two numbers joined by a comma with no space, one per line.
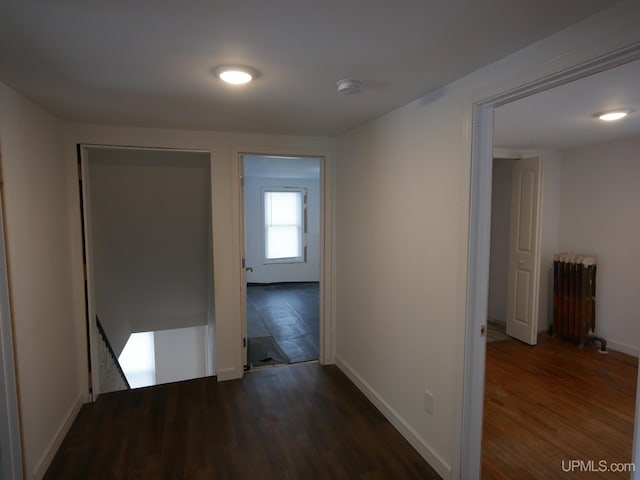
(288,312)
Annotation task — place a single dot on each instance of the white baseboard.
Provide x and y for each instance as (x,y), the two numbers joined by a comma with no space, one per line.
(50,451)
(621,347)
(432,458)
(223,374)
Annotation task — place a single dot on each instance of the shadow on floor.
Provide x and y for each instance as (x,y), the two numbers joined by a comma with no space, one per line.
(496,331)
(283,320)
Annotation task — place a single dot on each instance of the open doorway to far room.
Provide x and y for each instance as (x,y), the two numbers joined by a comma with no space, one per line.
(563,400)
(147,231)
(282,234)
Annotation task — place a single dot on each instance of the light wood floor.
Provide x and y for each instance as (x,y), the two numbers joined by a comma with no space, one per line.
(301,421)
(552,403)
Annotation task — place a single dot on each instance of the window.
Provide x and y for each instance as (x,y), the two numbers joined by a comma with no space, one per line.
(138,360)
(284,225)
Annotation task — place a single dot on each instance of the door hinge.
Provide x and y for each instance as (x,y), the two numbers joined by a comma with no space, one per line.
(244,262)
(244,342)
(483,330)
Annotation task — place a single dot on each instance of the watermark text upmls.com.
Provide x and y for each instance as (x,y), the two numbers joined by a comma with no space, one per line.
(576,465)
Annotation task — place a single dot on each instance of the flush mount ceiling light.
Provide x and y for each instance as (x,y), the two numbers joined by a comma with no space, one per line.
(348,86)
(235,75)
(613,115)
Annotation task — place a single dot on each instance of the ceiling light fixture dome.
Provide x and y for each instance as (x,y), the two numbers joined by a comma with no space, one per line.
(348,86)
(613,115)
(235,75)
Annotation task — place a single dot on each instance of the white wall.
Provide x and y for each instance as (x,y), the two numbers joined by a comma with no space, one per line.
(308,271)
(402,196)
(600,215)
(109,292)
(150,212)
(180,354)
(500,231)
(49,359)
(550,234)
(224,149)
(402,241)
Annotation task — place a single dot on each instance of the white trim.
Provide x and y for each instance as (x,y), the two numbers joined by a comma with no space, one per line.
(624,348)
(327,257)
(423,448)
(477,292)
(513,154)
(328,261)
(88,294)
(103,146)
(635,454)
(225,374)
(211,301)
(238,179)
(601,63)
(10,431)
(49,452)
(208,369)
(478,261)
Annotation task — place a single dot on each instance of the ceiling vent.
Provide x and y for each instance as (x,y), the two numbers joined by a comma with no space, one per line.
(348,86)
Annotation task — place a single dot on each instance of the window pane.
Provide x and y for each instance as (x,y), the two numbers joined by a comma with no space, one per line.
(283,224)
(283,242)
(282,208)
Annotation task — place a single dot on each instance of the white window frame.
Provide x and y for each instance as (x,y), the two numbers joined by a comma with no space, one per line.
(302,258)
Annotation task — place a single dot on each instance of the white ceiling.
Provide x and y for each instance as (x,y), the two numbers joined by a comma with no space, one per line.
(149,63)
(563,117)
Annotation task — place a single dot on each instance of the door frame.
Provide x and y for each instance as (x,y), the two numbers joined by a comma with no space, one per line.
(87,244)
(479,247)
(327,283)
(10,425)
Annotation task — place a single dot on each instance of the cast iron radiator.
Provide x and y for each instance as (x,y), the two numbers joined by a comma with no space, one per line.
(574,298)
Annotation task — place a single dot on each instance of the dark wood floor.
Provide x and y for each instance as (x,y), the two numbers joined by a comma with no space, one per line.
(552,403)
(295,422)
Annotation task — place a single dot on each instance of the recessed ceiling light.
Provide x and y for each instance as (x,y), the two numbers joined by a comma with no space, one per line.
(348,86)
(613,115)
(235,75)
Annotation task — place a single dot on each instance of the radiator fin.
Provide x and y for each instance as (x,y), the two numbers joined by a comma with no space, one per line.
(574,296)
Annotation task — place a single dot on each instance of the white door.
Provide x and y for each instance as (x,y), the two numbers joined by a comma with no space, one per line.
(524,250)
(244,267)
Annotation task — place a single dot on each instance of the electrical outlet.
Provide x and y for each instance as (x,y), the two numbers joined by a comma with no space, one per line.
(428,402)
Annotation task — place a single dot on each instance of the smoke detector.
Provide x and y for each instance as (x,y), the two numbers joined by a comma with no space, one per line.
(348,86)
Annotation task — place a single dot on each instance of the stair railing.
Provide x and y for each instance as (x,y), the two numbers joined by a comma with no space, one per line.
(112,354)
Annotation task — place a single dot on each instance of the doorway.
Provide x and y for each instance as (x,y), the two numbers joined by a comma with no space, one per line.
(482,156)
(499,257)
(282,240)
(148,250)
(586,193)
